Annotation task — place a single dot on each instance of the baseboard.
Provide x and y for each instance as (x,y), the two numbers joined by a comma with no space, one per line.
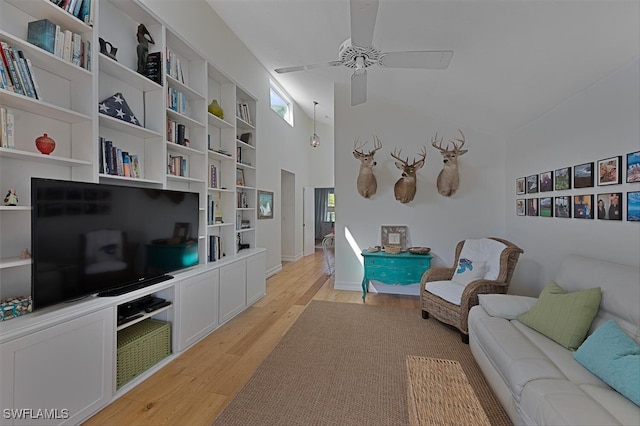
(273,271)
(291,258)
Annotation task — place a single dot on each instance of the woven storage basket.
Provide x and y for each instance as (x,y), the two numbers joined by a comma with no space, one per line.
(392,249)
(141,346)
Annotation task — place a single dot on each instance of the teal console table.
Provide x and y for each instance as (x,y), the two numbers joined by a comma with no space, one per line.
(403,268)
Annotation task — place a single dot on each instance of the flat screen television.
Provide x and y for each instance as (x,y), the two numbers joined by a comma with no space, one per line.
(89,238)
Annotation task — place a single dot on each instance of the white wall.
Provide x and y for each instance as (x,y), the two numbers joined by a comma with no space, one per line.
(599,122)
(476,210)
(279,146)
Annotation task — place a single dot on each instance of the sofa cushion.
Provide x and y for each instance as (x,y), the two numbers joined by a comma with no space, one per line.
(614,357)
(563,317)
(506,306)
(447,290)
(468,270)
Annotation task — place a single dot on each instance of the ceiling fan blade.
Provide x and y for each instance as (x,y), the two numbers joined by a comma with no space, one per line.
(358,87)
(435,59)
(363,21)
(308,67)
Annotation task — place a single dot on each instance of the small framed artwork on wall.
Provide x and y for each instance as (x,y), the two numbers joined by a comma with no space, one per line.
(563,206)
(633,206)
(610,171)
(521,183)
(563,179)
(546,206)
(532,184)
(583,175)
(583,206)
(532,207)
(633,167)
(521,207)
(609,206)
(546,181)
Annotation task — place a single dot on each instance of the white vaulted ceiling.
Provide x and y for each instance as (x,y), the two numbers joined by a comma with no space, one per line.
(513,59)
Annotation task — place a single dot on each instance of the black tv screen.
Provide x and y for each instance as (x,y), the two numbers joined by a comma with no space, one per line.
(89,238)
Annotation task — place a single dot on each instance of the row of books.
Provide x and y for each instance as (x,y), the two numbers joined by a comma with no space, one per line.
(114,161)
(177,165)
(177,132)
(214,213)
(215,248)
(243,112)
(174,66)
(62,43)
(16,72)
(242,201)
(177,100)
(81,9)
(7,122)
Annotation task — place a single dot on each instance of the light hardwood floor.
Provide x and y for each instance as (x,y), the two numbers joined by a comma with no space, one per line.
(196,386)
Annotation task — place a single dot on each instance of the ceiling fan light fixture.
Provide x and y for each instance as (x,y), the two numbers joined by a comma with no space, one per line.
(314,140)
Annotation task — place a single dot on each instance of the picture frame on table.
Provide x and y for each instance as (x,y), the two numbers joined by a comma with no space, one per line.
(546,207)
(393,235)
(532,184)
(633,167)
(563,206)
(609,206)
(521,207)
(521,185)
(633,206)
(583,175)
(610,171)
(546,181)
(583,206)
(265,204)
(562,179)
(532,207)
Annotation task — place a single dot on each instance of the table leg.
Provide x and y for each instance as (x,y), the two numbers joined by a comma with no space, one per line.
(365,287)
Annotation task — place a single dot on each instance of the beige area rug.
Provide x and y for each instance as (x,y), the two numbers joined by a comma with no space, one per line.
(345,364)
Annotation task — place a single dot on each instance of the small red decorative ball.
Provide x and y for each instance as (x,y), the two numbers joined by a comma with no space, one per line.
(45,144)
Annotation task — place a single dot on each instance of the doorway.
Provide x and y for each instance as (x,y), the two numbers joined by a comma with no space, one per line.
(287,216)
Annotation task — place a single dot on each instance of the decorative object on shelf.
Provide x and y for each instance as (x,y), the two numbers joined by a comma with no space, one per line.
(144,38)
(405,187)
(239,177)
(215,109)
(610,171)
(25,254)
(419,250)
(14,307)
(393,235)
(265,204)
(116,106)
(107,48)
(314,140)
(11,199)
(449,179)
(373,249)
(45,144)
(367,184)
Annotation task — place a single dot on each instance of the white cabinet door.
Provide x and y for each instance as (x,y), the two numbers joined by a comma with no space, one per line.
(67,369)
(233,290)
(256,281)
(198,307)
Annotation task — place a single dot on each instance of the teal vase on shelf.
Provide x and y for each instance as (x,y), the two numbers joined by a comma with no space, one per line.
(215,109)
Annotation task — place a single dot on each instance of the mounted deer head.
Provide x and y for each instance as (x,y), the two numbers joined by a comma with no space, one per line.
(367,184)
(405,187)
(449,179)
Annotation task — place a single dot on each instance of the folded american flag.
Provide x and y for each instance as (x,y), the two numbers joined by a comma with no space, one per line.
(115,106)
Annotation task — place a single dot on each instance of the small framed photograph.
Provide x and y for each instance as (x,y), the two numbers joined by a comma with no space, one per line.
(563,179)
(609,206)
(393,235)
(583,206)
(521,185)
(583,175)
(610,171)
(532,207)
(546,206)
(633,206)
(546,182)
(521,207)
(265,205)
(563,206)
(239,177)
(532,184)
(181,231)
(633,167)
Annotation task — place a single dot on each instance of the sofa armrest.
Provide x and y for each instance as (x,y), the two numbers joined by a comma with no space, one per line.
(507,306)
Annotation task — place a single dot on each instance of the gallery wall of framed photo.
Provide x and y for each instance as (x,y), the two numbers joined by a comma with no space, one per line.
(597,196)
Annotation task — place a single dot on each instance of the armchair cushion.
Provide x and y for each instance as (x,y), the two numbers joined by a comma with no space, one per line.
(447,290)
(468,270)
(484,250)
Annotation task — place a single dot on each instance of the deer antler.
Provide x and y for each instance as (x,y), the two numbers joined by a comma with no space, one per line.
(377,144)
(397,157)
(358,147)
(423,154)
(456,147)
(434,141)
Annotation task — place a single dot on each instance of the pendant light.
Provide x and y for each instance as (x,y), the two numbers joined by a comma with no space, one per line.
(315,139)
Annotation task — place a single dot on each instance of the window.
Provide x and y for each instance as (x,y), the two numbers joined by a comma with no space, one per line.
(331,207)
(281,104)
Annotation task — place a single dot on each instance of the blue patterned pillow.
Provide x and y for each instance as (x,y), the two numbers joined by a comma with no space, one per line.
(614,357)
(468,270)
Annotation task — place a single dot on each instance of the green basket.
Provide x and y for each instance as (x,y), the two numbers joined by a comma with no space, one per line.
(140,347)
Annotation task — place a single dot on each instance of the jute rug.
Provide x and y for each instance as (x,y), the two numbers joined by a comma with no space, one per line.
(345,364)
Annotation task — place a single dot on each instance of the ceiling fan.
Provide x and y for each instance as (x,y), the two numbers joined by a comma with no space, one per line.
(358,53)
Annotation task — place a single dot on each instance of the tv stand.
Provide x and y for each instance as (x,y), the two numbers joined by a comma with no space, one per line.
(135,286)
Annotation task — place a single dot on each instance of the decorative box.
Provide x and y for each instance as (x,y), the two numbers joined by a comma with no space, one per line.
(140,347)
(14,307)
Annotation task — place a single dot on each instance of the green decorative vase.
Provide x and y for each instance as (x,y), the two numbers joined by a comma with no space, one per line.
(215,109)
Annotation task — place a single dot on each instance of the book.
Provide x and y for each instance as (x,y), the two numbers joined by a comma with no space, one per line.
(180,138)
(32,74)
(126,164)
(59,43)
(42,33)
(21,72)
(135,166)
(6,56)
(76,45)
(4,76)
(66,48)
(10,129)
(3,128)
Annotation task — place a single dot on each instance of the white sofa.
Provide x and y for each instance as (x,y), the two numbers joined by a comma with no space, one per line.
(537,380)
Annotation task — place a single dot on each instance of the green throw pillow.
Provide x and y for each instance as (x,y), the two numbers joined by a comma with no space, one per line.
(563,317)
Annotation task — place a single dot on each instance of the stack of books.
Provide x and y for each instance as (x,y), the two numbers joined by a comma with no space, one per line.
(60,42)
(16,72)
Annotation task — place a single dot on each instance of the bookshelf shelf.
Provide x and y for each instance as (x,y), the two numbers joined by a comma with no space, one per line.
(126,74)
(244,125)
(116,179)
(131,129)
(37,107)
(184,179)
(41,158)
(171,146)
(244,144)
(42,9)
(15,208)
(245,166)
(190,93)
(218,122)
(184,119)
(12,262)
